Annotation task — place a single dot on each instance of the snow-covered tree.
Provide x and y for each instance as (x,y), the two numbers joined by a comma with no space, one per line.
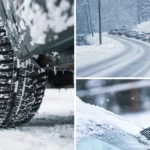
(115,14)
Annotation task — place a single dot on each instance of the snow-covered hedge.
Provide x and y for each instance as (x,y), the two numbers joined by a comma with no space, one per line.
(145,27)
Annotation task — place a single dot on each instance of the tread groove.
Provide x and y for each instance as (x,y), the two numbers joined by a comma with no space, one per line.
(18,106)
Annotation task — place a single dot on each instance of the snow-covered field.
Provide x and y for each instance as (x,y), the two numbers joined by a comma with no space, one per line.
(94,53)
(51,129)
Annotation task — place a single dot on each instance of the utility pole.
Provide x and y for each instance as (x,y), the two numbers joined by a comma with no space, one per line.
(138,6)
(117,9)
(90,18)
(100,26)
(87,18)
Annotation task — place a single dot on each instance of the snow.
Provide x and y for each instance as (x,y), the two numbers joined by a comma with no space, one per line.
(16,87)
(147,74)
(48,130)
(58,18)
(145,27)
(64,97)
(95,52)
(88,116)
(112,61)
(140,119)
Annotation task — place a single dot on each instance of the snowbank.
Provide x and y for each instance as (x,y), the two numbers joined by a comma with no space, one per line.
(95,53)
(57,102)
(145,27)
(90,116)
(140,119)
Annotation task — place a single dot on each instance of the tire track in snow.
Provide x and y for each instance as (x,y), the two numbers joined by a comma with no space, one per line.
(85,71)
(142,65)
(112,66)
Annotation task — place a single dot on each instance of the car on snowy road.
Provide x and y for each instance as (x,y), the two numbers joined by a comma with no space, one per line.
(131,34)
(122,32)
(110,31)
(139,35)
(99,129)
(146,37)
(36,51)
(115,32)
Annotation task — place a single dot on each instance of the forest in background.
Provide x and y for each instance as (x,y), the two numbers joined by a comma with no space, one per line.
(114,14)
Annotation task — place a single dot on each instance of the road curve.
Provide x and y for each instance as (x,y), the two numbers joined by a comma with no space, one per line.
(133,62)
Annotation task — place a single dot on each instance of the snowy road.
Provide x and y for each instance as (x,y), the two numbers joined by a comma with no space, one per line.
(51,129)
(133,61)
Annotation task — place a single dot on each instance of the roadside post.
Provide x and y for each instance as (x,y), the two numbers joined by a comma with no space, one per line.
(100,30)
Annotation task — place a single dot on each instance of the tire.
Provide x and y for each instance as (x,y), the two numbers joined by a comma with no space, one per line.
(22,86)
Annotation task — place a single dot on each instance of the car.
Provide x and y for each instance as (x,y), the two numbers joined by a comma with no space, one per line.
(131,34)
(99,129)
(36,51)
(110,31)
(139,35)
(81,39)
(115,31)
(146,37)
(122,32)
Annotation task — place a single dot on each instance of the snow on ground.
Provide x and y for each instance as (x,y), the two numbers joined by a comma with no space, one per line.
(147,74)
(145,27)
(141,119)
(94,53)
(58,102)
(51,129)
